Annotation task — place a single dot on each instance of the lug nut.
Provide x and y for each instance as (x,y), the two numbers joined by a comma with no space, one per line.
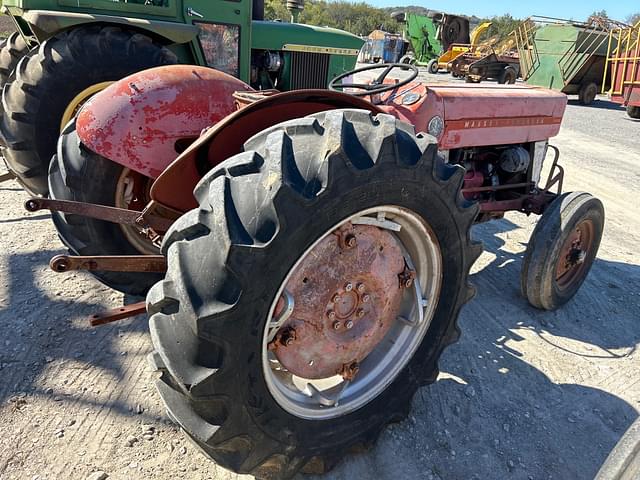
(287,336)
(360,313)
(360,287)
(331,314)
(366,297)
(336,325)
(349,324)
(336,298)
(408,282)
(348,287)
(350,241)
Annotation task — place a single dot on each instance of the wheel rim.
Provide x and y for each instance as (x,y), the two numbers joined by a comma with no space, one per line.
(79,100)
(132,193)
(321,397)
(571,266)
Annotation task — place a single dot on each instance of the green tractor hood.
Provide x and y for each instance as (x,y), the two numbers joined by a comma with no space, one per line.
(298,37)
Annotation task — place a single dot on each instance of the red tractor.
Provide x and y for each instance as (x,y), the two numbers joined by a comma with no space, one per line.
(314,250)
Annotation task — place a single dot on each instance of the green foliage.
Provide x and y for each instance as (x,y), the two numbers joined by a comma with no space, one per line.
(501,26)
(600,13)
(358,18)
(361,18)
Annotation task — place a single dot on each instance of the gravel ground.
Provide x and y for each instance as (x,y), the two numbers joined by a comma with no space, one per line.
(524,394)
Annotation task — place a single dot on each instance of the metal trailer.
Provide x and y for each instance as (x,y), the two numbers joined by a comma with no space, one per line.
(623,68)
(476,66)
(564,55)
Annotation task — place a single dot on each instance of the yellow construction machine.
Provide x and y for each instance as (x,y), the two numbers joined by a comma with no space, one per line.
(457,49)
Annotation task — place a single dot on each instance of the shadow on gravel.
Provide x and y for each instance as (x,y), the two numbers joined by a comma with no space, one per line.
(597,103)
(42,332)
(598,315)
(493,415)
(22,219)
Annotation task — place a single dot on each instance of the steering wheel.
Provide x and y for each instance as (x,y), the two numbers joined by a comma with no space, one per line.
(377,86)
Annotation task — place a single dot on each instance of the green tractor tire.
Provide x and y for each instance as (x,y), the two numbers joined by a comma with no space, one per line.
(55,80)
(12,49)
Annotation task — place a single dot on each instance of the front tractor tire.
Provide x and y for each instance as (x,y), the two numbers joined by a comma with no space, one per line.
(289,328)
(562,249)
(50,82)
(633,112)
(76,173)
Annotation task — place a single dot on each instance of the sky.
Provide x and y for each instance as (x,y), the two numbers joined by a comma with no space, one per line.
(569,9)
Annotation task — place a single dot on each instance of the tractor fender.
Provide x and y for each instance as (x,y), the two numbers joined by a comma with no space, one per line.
(46,23)
(146,119)
(174,188)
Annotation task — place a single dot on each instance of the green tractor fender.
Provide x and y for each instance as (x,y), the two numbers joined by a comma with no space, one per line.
(46,23)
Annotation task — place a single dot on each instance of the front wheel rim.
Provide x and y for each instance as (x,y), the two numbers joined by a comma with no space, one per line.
(327,398)
(572,261)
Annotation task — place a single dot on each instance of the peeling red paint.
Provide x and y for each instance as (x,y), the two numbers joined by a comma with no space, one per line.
(136,121)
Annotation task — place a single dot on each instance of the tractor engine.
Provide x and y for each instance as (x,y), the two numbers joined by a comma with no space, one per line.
(266,68)
(505,167)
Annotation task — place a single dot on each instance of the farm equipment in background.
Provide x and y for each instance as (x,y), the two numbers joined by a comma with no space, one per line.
(564,55)
(429,36)
(457,49)
(381,46)
(78,48)
(623,68)
(314,249)
(492,59)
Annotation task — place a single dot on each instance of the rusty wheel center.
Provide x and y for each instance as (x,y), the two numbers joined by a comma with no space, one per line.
(351,311)
(347,295)
(574,251)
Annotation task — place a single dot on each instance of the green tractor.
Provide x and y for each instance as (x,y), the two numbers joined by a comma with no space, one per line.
(65,51)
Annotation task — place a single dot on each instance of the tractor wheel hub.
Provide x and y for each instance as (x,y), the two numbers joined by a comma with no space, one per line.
(347,295)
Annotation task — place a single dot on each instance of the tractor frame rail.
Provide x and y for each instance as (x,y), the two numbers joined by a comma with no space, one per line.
(109,263)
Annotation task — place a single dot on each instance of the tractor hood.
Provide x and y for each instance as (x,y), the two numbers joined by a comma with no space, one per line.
(291,36)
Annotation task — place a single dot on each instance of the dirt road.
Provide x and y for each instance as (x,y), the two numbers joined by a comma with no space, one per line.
(524,394)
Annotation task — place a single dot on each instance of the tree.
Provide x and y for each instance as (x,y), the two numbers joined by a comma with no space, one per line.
(601,14)
(358,18)
(501,26)
(633,18)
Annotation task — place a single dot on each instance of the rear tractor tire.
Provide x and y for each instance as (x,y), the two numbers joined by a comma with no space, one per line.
(562,249)
(57,78)
(588,93)
(76,173)
(633,112)
(433,66)
(288,330)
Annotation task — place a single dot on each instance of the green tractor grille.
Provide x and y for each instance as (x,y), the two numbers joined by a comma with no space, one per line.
(309,70)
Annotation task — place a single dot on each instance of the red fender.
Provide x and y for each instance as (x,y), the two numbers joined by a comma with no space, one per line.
(139,121)
(175,186)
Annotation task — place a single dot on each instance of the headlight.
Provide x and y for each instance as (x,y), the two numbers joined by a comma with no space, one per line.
(436,126)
